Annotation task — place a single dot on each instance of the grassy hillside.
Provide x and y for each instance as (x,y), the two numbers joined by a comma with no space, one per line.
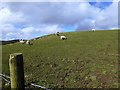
(85,59)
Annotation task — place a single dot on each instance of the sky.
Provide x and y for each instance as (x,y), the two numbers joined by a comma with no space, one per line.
(27,20)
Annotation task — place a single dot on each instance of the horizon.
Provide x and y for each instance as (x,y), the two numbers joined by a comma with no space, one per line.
(54,33)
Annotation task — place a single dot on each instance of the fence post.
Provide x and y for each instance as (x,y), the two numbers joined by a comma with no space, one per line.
(16,71)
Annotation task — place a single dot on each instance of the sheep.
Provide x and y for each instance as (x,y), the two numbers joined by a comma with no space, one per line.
(63,37)
(22,41)
(57,34)
(93,29)
(28,42)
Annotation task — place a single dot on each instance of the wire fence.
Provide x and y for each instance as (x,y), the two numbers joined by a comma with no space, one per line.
(4,75)
(5,78)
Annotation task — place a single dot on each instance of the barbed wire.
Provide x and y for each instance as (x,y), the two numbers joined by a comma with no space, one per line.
(4,75)
(5,79)
(32,84)
(39,86)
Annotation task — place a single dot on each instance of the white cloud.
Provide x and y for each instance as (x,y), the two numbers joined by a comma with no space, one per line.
(108,18)
(50,29)
(7,28)
(7,16)
(104,19)
(10,32)
(58,0)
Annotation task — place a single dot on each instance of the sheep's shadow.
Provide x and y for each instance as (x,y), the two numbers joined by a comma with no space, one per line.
(31,44)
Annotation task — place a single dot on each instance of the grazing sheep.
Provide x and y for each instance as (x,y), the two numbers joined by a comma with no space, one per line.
(57,34)
(93,29)
(63,37)
(28,42)
(22,41)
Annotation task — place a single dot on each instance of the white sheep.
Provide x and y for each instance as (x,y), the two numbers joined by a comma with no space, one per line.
(93,29)
(57,34)
(63,37)
(22,41)
(28,42)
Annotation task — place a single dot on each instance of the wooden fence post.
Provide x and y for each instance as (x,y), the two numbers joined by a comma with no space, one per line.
(16,71)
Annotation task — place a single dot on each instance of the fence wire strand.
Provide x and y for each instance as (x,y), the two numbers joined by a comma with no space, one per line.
(2,76)
(5,79)
(39,86)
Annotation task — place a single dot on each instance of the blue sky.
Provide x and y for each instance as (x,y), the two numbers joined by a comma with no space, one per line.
(27,20)
(101,5)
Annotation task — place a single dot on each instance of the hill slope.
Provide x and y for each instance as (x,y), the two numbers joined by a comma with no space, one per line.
(85,59)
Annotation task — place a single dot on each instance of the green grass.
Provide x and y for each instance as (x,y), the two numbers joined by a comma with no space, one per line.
(86,59)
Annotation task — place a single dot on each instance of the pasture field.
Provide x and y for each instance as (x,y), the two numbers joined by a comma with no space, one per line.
(85,60)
